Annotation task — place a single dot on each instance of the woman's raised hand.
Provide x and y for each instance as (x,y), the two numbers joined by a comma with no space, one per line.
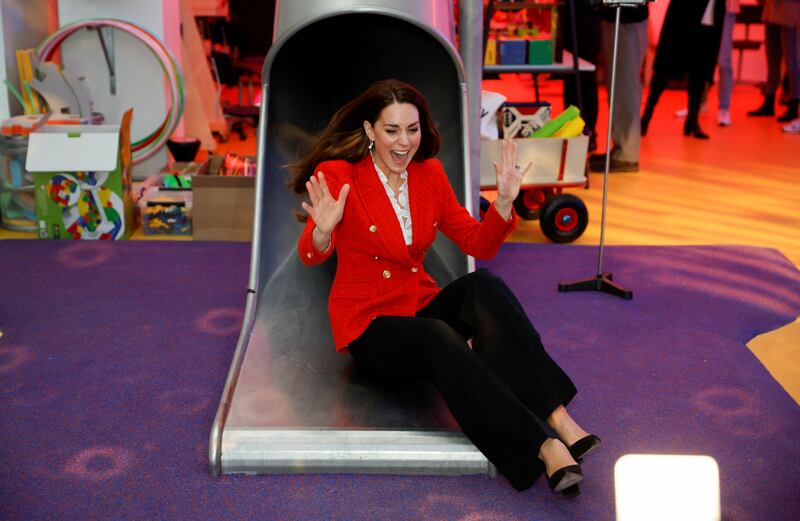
(324,209)
(509,177)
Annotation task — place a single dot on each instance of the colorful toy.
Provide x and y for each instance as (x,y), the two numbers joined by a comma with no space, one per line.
(175,180)
(516,124)
(81,177)
(166,218)
(512,51)
(572,128)
(17,204)
(166,211)
(90,210)
(540,52)
(559,121)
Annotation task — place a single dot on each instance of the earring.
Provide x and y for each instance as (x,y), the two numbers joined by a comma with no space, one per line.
(371,145)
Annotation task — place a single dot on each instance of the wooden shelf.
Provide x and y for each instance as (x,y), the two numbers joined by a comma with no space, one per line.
(564,66)
(515,6)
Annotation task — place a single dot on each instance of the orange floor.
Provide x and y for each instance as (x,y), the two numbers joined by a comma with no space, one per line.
(740,187)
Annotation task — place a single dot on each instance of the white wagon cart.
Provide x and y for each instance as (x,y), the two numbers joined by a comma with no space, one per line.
(557,163)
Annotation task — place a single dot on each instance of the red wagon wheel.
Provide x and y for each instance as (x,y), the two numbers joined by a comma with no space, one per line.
(529,203)
(564,218)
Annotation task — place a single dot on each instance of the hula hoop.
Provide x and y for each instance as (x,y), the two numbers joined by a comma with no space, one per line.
(151,143)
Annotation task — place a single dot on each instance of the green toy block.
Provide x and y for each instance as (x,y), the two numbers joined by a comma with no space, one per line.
(540,52)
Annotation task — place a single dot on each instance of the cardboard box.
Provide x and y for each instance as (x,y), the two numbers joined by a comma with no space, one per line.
(82,180)
(223,207)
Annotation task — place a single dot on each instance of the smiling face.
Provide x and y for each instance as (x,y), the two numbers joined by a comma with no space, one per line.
(397,136)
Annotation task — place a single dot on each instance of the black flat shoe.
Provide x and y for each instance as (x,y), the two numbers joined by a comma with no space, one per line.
(564,479)
(584,446)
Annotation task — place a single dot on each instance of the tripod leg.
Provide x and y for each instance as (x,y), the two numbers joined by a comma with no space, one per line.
(590,284)
(607,286)
(597,283)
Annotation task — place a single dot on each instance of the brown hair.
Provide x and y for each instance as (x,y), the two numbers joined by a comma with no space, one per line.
(344,136)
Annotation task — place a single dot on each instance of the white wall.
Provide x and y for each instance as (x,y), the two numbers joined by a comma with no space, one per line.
(140,79)
(24,24)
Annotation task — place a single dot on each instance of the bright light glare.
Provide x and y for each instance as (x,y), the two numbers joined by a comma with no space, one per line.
(651,487)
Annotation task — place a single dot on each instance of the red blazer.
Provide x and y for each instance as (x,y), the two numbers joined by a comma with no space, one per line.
(376,273)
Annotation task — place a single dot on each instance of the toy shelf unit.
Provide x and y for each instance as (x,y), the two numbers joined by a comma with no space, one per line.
(525,37)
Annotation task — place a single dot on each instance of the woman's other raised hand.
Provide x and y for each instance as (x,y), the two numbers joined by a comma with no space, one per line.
(509,177)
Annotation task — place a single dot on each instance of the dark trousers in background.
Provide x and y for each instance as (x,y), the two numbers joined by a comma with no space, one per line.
(626,131)
(782,42)
(587,25)
(497,389)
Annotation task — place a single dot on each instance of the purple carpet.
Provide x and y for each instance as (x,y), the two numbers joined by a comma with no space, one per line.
(114,355)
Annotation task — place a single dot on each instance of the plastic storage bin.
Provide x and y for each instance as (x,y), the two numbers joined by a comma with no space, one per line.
(166,211)
(17,202)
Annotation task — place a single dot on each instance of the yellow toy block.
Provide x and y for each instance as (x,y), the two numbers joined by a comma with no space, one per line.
(491,52)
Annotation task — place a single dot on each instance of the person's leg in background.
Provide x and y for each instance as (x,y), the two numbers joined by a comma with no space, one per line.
(682,113)
(789,40)
(626,126)
(697,85)
(626,131)
(783,99)
(772,47)
(794,126)
(726,71)
(589,104)
(658,84)
(587,23)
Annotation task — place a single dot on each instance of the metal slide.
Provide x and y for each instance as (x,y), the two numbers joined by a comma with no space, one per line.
(291,403)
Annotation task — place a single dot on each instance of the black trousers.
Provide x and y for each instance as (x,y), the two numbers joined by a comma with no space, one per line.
(589,39)
(695,88)
(496,390)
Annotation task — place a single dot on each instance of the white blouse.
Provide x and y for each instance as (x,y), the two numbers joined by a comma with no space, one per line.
(399,201)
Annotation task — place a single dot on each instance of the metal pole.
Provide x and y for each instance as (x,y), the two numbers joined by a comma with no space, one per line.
(470,46)
(608,145)
(604,281)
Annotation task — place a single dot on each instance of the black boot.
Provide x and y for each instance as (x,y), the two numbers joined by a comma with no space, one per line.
(791,111)
(767,108)
(692,128)
(646,117)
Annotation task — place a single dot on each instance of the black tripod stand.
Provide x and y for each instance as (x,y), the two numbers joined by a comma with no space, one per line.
(604,281)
